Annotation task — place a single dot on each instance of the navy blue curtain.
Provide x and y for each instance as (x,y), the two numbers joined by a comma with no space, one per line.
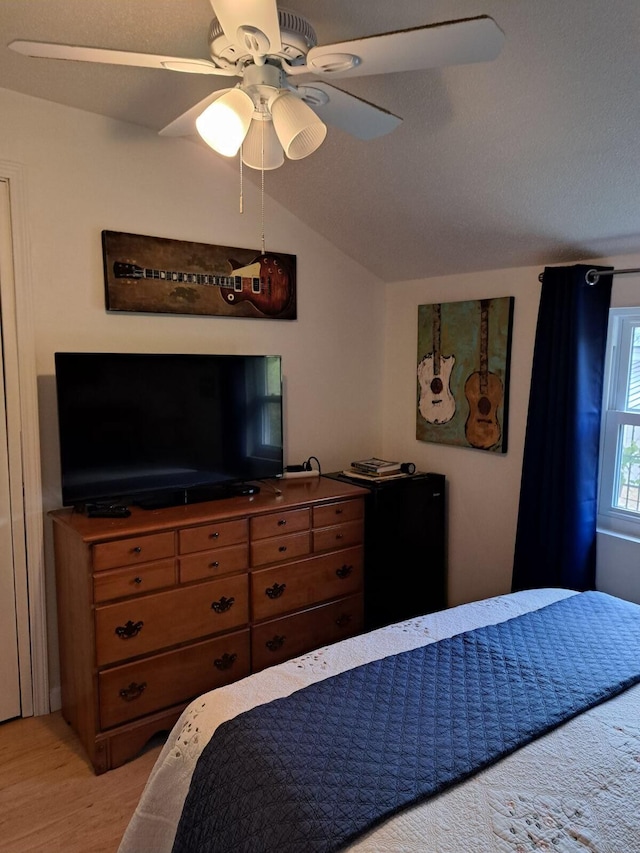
(556,533)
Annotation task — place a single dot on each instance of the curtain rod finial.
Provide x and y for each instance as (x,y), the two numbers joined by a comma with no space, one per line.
(591,276)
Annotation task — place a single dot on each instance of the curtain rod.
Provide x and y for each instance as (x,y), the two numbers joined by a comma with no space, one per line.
(593,276)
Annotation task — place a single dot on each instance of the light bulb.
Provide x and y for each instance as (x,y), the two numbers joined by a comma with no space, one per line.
(224,123)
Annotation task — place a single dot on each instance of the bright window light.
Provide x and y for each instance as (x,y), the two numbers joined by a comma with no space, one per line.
(619,498)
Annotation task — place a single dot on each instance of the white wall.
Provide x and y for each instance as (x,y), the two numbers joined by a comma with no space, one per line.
(483,487)
(84,174)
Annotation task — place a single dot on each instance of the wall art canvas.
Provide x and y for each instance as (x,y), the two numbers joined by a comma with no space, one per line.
(159,275)
(464,354)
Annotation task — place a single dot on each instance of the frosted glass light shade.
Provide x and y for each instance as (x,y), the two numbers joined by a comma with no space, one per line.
(299,129)
(252,146)
(224,123)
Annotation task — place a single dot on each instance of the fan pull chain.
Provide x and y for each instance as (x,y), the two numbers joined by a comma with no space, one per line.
(241,184)
(262,185)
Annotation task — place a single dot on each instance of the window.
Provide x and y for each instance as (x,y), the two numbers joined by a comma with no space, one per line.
(265,384)
(271,421)
(619,501)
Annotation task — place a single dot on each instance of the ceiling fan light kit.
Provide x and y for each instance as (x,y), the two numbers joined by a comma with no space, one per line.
(235,119)
(268,48)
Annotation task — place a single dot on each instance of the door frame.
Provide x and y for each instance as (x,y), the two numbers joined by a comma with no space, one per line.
(23,434)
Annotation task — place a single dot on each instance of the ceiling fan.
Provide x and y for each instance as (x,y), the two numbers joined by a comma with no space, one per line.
(282,99)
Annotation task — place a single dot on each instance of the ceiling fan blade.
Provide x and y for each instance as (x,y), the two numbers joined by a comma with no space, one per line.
(348,112)
(448,43)
(251,24)
(185,124)
(80,53)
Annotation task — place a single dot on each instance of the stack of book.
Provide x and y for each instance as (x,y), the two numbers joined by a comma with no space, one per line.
(374,469)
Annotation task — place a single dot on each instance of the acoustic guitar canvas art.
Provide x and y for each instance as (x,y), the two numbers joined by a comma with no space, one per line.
(160,275)
(464,353)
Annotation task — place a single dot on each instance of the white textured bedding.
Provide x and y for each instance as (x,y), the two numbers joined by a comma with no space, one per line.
(575,790)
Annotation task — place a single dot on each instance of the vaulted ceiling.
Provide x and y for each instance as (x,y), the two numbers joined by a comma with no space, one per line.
(529,159)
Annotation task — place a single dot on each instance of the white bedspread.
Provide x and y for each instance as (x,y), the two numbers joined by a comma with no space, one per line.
(575,790)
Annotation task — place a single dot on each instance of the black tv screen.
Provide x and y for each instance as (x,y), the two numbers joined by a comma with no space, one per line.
(162,429)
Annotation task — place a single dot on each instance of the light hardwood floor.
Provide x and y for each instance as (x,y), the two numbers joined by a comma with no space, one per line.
(50,799)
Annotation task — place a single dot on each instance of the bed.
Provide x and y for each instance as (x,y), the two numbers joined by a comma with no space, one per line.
(572,789)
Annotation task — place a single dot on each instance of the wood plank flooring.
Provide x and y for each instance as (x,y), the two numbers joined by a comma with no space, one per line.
(50,799)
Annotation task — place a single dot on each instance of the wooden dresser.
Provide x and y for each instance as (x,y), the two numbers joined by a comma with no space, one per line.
(159,607)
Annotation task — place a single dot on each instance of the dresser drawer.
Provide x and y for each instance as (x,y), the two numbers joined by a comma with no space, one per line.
(281,589)
(134,580)
(267,551)
(275,524)
(280,639)
(136,549)
(209,564)
(163,619)
(338,512)
(338,536)
(218,535)
(157,682)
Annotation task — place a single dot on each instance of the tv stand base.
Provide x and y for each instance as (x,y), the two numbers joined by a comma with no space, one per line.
(196,495)
(242,489)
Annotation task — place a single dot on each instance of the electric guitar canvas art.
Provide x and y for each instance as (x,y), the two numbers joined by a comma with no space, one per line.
(464,354)
(159,275)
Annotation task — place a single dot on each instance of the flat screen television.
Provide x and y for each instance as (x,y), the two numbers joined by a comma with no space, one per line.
(163,429)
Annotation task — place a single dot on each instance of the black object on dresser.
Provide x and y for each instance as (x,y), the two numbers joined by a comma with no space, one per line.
(405,554)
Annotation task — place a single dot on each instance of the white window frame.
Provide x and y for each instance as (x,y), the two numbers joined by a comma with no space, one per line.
(622,322)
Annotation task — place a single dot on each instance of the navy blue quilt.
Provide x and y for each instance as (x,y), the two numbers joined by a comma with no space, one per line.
(311,772)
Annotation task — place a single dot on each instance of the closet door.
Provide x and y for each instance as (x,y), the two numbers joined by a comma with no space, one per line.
(10,705)
(9,679)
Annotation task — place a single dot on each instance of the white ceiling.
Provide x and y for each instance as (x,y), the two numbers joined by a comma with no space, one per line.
(531,159)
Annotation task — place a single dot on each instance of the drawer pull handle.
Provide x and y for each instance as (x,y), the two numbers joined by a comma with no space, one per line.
(133,691)
(344,571)
(339,511)
(343,620)
(129,629)
(226,661)
(223,605)
(282,522)
(275,591)
(339,535)
(282,549)
(137,550)
(214,535)
(137,580)
(214,565)
(275,643)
